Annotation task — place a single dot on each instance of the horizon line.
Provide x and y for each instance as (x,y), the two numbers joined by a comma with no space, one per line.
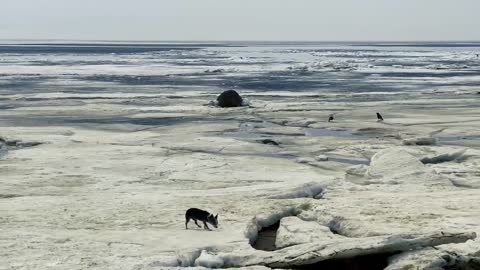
(240,40)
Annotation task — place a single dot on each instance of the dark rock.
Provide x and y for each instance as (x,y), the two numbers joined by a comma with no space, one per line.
(229,98)
(269,141)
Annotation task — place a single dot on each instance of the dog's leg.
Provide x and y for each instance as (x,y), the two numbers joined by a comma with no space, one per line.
(197,223)
(186,223)
(206,226)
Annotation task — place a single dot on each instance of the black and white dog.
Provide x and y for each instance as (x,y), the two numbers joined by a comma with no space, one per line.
(204,216)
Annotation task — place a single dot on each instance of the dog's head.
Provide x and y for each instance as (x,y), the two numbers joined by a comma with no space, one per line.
(213,220)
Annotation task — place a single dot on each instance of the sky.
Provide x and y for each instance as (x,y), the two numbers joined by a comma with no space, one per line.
(266,20)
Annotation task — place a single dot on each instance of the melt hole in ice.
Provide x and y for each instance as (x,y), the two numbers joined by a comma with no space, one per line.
(371,262)
(266,237)
(262,231)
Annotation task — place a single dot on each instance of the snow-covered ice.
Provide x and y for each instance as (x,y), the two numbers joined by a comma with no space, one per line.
(112,149)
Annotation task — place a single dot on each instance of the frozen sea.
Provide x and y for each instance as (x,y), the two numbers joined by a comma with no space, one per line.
(294,67)
(104,145)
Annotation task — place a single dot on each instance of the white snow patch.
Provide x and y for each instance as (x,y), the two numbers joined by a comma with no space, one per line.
(188,258)
(393,161)
(321,158)
(294,231)
(307,190)
(396,166)
(209,260)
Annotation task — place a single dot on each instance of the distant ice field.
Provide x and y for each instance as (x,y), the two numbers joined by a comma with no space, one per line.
(356,67)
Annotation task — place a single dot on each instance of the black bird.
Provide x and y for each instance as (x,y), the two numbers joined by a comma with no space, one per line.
(330,118)
(379,117)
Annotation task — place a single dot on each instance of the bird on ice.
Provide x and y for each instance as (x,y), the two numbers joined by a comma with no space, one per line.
(379,117)
(330,117)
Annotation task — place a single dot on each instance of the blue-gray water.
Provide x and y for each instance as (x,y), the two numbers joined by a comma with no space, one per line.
(313,67)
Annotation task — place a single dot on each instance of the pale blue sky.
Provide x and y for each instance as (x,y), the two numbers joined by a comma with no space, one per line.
(329,20)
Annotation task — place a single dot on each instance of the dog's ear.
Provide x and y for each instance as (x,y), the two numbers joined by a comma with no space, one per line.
(216,217)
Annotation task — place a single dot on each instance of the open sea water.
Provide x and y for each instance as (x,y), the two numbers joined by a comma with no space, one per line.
(249,66)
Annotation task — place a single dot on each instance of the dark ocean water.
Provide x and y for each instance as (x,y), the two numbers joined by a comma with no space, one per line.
(254,66)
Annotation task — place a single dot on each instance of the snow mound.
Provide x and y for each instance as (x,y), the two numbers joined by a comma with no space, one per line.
(308,190)
(420,141)
(393,161)
(213,103)
(321,158)
(346,228)
(396,166)
(209,260)
(245,102)
(185,259)
(294,231)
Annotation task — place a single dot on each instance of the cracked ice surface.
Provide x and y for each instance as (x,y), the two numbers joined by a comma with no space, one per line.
(127,150)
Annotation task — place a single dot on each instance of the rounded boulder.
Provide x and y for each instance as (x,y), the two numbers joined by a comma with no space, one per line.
(229,98)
